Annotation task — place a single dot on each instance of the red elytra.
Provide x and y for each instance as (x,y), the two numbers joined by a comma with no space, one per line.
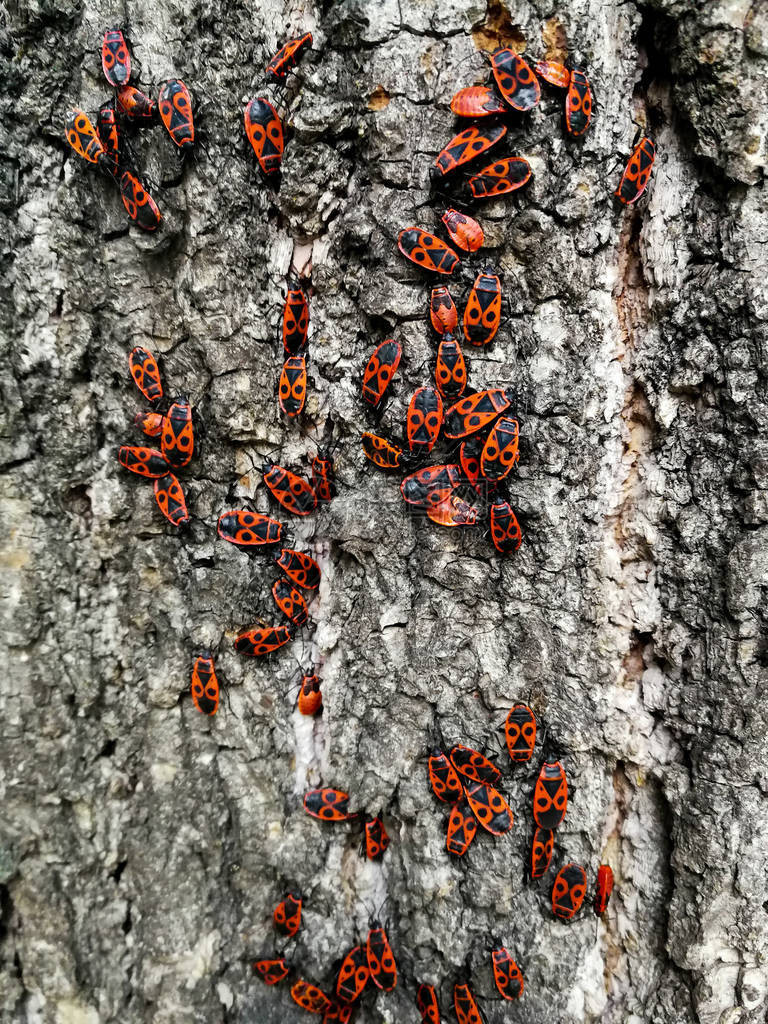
(550,795)
(145,373)
(467,145)
(310,696)
(477,101)
(287,57)
(450,369)
(578,104)
(115,58)
(426,1004)
(501,177)
(442,311)
(299,567)
(443,778)
(515,79)
(380,369)
(169,496)
(474,412)
(205,685)
(505,529)
(381,960)
(135,104)
(423,420)
(290,601)
(376,838)
(272,971)
(295,324)
(474,765)
(309,997)
(177,439)
(138,203)
(249,529)
(500,452)
(427,251)
(293,492)
(292,386)
(465,1005)
(147,462)
(462,829)
(354,974)
(452,511)
(174,104)
(464,231)
(381,452)
(637,173)
(287,914)
(520,733)
(150,423)
(568,891)
(262,640)
(542,845)
(553,73)
(482,315)
(264,131)
(506,974)
(603,888)
(327,804)
(489,807)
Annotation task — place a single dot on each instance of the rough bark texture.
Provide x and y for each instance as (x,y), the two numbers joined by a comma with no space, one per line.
(144,846)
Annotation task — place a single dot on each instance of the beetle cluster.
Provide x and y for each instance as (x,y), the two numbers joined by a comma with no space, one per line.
(176,433)
(263,125)
(105,144)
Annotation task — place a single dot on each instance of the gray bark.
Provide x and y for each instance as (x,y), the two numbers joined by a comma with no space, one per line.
(143,846)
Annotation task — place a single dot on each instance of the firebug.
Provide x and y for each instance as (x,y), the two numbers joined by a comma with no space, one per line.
(501,177)
(442,311)
(578,104)
(474,412)
(264,130)
(135,104)
(489,807)
(467,145)
(380,369)
(83,138)
(310,696)
(443,778)
(568,891)
(550,795)
(462,829)
(464,230)
(287,914)
(603,888)
(500,452)
(145,373)
(542,845)
(175,106)
(477,101)
(426,1004)
(354,974)
(290,601)
(150,423)
(323,477)
(450,369)
(272,971)
(637,173)
(263,640)
(427,251)
(205,684)
(482,315)
(115,58)
(505,529)
(474,765)
(381,960)
(169,496)
(178,436)
(138,203)
(515,79)
(553,73)
(249,529)
(520,733)
(327,804)
(147,462)
(424,419)
(299,567)
(287,57)
(382,453)
(309,997)
(465,1005)
(293,492)
(506,974)
(295,320)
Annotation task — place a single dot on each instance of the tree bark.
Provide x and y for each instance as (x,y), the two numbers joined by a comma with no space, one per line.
(143,846)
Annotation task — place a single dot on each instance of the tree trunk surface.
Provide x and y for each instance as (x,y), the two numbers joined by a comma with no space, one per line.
(143,845)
